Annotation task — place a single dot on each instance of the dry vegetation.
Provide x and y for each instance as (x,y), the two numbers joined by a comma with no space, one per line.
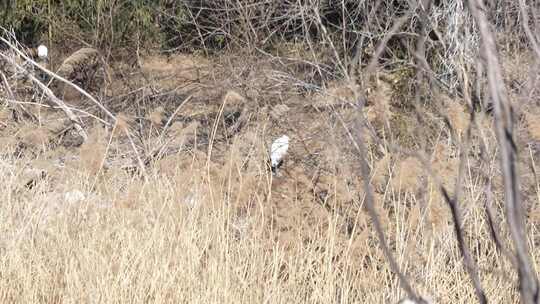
(157,188)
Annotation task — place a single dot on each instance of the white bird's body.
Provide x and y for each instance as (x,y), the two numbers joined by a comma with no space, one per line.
(278,150)
(42,52)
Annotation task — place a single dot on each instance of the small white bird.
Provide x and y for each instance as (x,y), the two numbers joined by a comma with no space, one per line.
(42,52)
(278,150)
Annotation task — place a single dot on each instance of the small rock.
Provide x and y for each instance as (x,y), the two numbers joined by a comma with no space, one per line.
(74,196)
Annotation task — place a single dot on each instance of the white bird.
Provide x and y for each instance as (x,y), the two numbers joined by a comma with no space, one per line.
(278,150)
(42,52)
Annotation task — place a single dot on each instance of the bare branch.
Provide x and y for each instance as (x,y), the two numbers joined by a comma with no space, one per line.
(504,125)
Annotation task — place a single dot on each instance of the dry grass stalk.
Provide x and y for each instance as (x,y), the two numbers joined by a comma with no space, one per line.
(533,125)
(92,152)
(408,175)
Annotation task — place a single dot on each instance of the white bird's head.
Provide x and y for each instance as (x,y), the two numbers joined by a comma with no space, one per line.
(42,52)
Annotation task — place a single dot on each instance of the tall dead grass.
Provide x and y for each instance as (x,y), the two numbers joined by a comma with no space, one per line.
(124,219)
(228,232)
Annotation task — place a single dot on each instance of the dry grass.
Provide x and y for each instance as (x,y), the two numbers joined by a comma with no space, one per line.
(195,236)
(224,232)
(222,229)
